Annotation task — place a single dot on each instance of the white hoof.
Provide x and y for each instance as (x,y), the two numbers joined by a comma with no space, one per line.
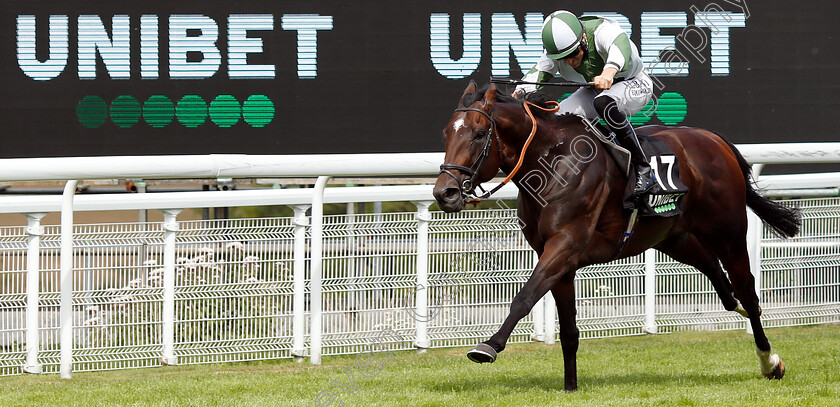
(772,366)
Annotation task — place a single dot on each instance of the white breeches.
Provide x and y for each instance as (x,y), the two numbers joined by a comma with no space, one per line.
(631,96)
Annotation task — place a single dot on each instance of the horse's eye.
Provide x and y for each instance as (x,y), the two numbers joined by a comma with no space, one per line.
(481,134)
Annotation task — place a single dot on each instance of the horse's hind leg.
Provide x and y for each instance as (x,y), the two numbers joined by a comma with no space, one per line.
(687,249)
(736,261)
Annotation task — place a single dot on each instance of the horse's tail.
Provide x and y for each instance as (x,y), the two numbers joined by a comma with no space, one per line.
(784,221)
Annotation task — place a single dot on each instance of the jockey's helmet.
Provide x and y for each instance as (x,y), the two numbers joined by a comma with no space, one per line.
(561,34)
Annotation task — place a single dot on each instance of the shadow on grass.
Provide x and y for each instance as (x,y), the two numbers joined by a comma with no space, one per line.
(555,381)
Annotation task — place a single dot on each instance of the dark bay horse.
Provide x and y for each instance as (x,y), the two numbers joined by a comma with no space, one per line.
(575,218)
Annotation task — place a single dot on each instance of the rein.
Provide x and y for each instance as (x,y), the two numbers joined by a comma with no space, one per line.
(468,186)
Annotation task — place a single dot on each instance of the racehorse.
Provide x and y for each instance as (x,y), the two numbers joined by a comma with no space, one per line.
(577,218)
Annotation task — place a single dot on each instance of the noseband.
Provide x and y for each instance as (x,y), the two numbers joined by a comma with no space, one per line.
(468,186)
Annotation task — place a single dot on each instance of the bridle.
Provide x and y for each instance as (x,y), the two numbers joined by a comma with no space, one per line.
(467,188)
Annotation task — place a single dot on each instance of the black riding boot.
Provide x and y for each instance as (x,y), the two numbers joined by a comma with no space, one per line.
(644,178)
(607,108)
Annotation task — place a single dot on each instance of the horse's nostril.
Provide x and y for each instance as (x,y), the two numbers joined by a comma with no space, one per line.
(450,194)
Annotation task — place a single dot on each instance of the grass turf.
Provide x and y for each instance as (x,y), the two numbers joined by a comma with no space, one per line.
(683,369)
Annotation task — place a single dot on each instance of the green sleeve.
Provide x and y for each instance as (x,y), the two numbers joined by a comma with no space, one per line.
(623,44)
(541,77)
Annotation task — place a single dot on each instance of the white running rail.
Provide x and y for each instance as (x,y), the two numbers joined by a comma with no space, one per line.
(456,273)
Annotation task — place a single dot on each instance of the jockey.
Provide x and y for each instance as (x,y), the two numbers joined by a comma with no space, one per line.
(596,50)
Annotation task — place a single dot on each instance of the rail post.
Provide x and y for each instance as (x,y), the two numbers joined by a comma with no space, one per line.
(650,292)
(755,232)
(539,313)
(315,279)
(299,283)
(66,279)
(34,231)
(550,319)
(170,231)
(422,315)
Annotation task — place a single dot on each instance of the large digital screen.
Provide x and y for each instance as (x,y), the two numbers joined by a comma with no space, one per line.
(295,77)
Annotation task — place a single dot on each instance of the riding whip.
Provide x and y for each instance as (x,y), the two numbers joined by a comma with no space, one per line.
(508,81)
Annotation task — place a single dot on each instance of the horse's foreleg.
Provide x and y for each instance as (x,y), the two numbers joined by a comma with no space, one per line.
(555,261)
(564,296)
(536,287)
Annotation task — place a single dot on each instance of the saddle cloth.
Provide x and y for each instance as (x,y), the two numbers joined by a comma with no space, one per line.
(663,200)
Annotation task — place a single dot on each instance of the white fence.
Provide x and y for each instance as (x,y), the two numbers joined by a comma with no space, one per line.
(147,294)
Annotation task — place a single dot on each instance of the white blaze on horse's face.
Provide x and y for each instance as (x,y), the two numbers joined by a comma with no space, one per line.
(458,125)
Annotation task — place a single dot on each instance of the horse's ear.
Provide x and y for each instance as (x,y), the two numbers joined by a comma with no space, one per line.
(489,96)
(470,89)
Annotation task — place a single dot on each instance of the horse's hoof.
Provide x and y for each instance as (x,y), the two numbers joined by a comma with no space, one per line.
(482,353)
(778,372)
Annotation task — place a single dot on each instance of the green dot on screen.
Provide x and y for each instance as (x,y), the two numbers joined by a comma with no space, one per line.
(644,115)
(92,111)
(158,111)
(191,111)
(672,108)
(125,111)
(225,111)
(258,110)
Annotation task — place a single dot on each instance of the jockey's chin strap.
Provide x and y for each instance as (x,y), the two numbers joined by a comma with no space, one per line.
(468,186)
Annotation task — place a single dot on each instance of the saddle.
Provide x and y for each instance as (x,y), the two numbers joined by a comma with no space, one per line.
(663,200)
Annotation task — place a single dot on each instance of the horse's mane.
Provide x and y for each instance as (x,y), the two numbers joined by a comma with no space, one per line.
(538,98)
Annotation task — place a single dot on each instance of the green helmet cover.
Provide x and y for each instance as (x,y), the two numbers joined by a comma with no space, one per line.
(561,34)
